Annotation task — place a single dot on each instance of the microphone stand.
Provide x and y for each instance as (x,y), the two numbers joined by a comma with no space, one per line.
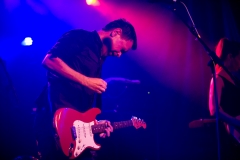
(214,60)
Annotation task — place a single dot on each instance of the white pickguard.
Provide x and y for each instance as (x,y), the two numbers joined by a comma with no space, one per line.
(85,137)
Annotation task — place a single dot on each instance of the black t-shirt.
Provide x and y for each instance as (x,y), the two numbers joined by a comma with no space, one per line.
(80,50)
(230,98)
(230,103)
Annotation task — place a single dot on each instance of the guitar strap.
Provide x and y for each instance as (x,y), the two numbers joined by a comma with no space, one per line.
(99,101)
(99,96)
(233,77)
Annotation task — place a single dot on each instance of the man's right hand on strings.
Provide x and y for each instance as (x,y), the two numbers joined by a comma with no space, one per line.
(96,84)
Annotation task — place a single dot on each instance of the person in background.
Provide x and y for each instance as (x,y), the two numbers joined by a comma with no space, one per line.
(228,92)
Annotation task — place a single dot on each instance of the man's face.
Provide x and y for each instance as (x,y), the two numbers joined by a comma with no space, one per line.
(237,61)
(119,45)
(233,63)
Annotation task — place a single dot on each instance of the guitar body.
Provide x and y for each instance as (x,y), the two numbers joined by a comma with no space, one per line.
(233,131)
(74,130)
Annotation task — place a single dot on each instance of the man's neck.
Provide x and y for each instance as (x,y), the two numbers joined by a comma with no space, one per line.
(223,73)
(102,34)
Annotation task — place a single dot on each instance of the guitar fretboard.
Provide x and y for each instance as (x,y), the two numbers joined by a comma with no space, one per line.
(116,125)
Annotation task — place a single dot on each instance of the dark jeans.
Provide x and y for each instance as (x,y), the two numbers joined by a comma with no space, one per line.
(45,136)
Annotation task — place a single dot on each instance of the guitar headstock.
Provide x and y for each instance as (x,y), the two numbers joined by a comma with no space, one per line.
(137,123)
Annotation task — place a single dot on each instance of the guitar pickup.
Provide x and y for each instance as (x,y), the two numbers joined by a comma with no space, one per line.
(74,134)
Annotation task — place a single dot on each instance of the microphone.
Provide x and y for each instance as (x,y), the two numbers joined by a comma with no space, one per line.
(120,79)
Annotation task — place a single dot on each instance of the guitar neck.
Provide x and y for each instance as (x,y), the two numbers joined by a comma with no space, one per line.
(98,128)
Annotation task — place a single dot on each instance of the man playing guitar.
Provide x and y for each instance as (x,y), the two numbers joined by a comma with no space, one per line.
(74,67)
(228,91)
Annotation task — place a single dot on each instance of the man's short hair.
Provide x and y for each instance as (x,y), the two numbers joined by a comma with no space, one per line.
(128,31)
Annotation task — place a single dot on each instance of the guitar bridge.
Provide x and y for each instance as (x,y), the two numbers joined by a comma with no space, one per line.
(74,134)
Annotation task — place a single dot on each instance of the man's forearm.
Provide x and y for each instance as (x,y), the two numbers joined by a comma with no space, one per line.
(229,119)
(58,66)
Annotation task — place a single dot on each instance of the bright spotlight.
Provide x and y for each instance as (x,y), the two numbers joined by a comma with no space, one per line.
(27,41)
(92,2)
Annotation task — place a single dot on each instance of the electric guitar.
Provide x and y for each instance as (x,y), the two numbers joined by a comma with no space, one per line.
(233,131)
(76,130)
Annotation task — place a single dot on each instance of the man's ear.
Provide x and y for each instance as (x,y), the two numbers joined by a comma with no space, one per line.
(115,32)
